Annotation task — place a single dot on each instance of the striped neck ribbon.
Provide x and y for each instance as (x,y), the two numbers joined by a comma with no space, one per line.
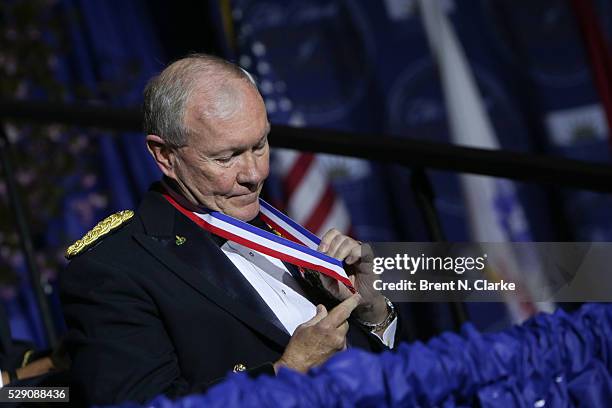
(294,244)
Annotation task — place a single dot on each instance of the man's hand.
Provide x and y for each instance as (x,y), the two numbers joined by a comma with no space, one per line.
(316,340)
(33,369)
(358,258)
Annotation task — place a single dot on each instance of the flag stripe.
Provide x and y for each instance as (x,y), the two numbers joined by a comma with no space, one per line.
(322,211)
(338,218)
(297,172)
(304,201)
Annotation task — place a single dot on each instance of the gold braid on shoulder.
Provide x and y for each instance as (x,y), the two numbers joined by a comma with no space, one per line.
(101,229)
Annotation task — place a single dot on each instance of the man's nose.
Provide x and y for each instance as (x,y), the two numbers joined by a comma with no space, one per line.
(250,170)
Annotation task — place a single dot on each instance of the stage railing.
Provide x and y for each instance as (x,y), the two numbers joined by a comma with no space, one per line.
(401,150)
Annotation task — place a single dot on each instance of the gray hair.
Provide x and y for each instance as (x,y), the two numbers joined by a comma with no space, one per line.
(166,95)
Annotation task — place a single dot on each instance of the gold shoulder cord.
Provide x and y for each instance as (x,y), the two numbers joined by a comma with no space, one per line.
(105,226)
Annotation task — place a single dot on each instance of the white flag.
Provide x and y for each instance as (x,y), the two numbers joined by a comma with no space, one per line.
(494,211)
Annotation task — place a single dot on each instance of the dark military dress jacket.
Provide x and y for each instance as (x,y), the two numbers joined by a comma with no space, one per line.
(155,306)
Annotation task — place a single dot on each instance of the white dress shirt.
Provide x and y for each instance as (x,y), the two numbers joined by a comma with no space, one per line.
(283,295)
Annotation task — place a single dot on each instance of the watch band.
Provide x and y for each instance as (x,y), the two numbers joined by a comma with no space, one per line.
(391,314)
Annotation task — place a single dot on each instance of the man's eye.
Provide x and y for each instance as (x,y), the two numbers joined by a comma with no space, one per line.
(224,160)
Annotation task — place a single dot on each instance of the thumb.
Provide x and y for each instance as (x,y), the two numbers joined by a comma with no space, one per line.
(321,314)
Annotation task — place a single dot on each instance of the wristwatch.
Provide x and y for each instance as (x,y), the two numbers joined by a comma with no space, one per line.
(391,314)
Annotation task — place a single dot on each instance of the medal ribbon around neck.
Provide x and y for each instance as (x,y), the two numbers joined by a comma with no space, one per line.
(296,244)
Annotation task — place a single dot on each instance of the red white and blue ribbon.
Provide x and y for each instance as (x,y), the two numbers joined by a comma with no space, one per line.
(296,244)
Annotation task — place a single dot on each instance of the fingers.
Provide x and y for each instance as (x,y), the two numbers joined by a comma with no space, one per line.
(337,243)
(316,340)
(338,315)
(321,314)
(339,337)
(343,329)
(340,246)
(327,239)
(336,338)
(351,253)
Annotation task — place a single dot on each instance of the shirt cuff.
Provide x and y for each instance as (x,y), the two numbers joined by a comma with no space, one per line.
(388,336)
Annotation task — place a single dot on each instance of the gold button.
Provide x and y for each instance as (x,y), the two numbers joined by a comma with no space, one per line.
(239,367)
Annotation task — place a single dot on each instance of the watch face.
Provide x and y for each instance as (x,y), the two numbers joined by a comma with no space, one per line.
(322,48)
(543,36)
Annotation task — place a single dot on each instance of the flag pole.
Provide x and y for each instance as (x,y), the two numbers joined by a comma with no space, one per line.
(424,196)
(26,239)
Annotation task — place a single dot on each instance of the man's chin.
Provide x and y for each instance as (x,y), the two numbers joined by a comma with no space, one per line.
(245,212)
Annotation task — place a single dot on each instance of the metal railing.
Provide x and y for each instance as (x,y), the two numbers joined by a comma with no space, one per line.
(519,166)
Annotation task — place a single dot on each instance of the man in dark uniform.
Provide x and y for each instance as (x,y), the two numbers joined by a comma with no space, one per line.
(156,304)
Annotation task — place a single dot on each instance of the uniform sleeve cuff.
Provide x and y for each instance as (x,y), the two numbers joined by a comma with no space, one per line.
(264,369)
(388,336)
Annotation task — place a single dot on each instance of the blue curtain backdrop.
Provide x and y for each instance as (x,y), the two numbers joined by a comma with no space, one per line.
(111,52)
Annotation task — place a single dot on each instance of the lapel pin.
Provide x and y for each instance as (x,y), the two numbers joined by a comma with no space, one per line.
(180,240)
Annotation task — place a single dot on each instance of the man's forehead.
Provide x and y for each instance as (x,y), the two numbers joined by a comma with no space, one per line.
(240,125)
(222,139)
(217,101)
(222,145)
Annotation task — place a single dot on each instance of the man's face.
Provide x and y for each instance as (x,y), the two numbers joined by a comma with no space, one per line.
(226,161)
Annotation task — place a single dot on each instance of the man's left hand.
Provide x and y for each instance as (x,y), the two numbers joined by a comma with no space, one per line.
(358,258)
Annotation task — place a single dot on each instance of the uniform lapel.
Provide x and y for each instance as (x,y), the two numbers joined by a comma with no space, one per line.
(189,252)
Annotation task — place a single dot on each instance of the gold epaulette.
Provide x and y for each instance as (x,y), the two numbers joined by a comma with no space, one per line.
(110,223)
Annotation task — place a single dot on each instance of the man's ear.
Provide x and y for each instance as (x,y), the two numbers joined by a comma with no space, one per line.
(164,156)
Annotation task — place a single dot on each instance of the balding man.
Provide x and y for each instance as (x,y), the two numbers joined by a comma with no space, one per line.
(195,284)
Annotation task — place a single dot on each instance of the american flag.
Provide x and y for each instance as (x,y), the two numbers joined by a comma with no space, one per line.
(307,192)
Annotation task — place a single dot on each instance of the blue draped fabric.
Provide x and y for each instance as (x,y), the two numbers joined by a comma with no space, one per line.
(113,51)
(556,360)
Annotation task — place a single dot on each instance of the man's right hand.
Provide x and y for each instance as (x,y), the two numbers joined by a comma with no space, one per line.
(316,340)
